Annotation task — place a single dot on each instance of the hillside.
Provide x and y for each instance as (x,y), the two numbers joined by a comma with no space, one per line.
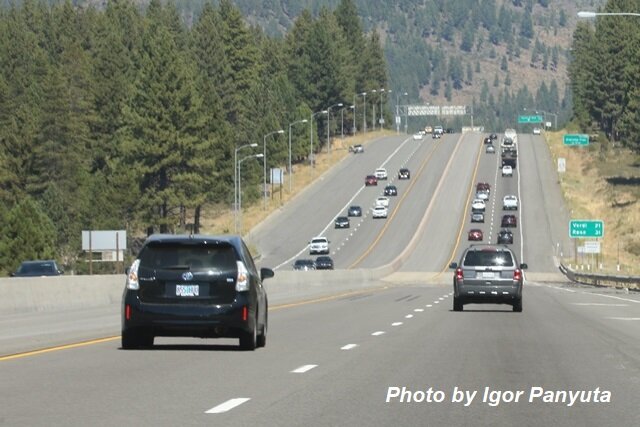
(499,52)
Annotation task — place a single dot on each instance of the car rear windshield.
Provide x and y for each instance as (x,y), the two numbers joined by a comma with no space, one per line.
(488,259)
(188,256)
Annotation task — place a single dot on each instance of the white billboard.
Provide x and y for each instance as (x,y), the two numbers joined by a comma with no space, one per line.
(104,240)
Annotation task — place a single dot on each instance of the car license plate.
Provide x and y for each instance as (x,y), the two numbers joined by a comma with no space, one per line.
(187,290)
(487,275)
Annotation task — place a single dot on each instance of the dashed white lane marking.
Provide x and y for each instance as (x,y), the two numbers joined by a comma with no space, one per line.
(348,346)
(436,302)
(228,405)
(303,369)
(428,306)
(375,334)
(599,304)
(419,310)
(446,296)
(623,318)
(440,299)
(408,316)
(396,324)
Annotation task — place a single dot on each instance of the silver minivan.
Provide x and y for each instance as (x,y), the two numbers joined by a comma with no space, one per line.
(487,274)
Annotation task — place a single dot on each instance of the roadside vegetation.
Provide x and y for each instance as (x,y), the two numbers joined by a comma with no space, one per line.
(602,181)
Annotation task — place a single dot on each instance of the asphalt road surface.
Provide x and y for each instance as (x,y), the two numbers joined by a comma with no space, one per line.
(394,355)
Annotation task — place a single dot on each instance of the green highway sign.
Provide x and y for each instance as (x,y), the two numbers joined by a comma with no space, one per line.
(529,119)
(586,228)
(575,139)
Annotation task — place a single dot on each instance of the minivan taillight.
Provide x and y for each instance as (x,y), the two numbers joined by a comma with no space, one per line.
(242,281)
(517,275)
(132,277)
(459,274)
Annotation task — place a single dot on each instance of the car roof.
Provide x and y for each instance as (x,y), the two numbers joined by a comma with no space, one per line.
(234,240)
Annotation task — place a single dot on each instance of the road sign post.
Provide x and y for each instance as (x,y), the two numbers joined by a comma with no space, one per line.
(575,139)
(586,228)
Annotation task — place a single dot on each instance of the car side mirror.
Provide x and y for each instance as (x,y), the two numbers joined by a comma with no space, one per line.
(266,273)
(523,266)
(453,265)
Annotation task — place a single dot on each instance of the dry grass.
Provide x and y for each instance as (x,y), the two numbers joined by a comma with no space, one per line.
(590,196)
(220,220)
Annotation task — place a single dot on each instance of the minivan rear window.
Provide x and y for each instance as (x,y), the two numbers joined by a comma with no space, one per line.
(488,259)
(188,256)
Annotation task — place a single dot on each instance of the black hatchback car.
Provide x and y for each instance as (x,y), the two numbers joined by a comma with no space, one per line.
(194,286)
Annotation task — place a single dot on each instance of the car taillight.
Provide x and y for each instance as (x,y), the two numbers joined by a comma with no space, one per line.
(459,274)
(517,275)
(132,277)
(242,281)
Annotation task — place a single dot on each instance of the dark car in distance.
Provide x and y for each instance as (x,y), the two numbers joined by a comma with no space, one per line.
(404,173)
(509,221)
(390,190)
(354,211)
(37,268)
(487,274)
(370,180)
(194,286)
(324,263)
(475,234)
(342,222)
(505,237)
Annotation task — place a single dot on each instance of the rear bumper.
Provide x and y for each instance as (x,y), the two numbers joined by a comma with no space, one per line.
(487,294)
(197,320)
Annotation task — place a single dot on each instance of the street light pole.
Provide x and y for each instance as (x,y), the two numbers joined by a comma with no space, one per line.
(235,184)
(339,104)
(290,168)
(264,161)
(373,104)
(381,118)
(258,155)
(311,135)
(364,114)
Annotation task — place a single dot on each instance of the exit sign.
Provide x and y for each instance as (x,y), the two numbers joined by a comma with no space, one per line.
(586,228)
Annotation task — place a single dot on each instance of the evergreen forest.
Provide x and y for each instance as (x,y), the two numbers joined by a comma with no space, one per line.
(122,118)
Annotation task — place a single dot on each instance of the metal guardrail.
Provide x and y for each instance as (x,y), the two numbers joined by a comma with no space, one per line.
(595,279)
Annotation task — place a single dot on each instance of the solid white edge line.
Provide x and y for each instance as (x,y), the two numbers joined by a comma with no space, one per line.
(302,369)
(228,405)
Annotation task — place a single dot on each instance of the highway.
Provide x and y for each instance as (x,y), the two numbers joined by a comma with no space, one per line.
(358,358)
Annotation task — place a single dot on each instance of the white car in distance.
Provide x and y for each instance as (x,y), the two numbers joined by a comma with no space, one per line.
(507,170)
(379,212)
(478,205)
(382,201)
(319,245)
(380,173)
(510,202)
